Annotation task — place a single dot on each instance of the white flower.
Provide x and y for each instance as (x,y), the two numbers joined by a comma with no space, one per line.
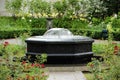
(115,15)
(23,18)
(30,20)
(29,14)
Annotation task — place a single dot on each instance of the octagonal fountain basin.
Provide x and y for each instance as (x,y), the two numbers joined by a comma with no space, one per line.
(60,42)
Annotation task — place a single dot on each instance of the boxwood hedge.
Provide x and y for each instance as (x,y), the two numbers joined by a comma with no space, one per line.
(17,32)
(95,34)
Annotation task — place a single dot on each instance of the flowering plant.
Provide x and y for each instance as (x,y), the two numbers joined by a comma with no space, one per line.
(108,67)
(15,69)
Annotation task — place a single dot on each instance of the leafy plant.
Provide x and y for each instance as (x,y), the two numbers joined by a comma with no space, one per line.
(96,69)
(60,7)
(39,6)
(98,48)
(14,6)
(11,67)
(108,68)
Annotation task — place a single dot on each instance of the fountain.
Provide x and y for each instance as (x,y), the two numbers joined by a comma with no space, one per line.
(60,42)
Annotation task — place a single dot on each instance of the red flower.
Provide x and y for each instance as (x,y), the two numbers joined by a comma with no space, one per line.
(6,43)
(37,65)
(91,65)
(42,65)
(27,76)
(116,50)
(23,62)
(32,64)
(114,43)
(33,78)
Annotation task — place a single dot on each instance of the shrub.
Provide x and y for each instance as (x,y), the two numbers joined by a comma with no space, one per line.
(96,34)
(116,23)
(98,48)
(17,32)
(116,36)
(37,22)
(11,67)
(69,23)
(14,6)
(108,69)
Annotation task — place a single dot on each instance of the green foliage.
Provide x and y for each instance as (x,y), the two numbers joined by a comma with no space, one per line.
(87,32)
(116,36)
(60,6)
(98,48)
(6,22)
(108,69)
(10,23)
(96,69)
(39,6)
(61,22)
(17,32)
(88,76)
(14,6)
(38,22)
(11,67)
(7,50)
(112,61)
(97,8)
(4,71)
(41,58)
(116,23)
(10,28)
(112,6)
(96,21)
(69,23)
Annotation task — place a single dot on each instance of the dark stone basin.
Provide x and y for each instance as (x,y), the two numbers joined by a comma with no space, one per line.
(60,42)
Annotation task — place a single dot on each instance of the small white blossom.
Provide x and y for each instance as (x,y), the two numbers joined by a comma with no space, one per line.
(30,20)
(23,17)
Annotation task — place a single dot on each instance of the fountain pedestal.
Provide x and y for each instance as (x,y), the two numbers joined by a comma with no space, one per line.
(59,42)
(49,23)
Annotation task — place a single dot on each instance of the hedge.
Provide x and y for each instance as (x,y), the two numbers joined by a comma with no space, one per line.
(4,34)
(116,36)
(95,34)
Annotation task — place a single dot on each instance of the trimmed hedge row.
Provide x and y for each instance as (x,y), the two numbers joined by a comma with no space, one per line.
(4,34)
(95,34)
(116,36)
